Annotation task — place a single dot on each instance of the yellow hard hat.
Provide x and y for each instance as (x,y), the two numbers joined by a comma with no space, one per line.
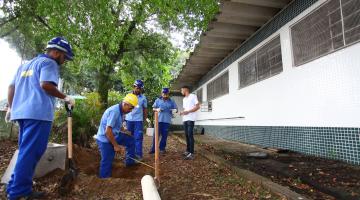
(131,99)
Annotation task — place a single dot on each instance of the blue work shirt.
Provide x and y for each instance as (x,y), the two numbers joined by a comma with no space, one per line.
(30,100)
(137,114)
(112,117)
(165,107)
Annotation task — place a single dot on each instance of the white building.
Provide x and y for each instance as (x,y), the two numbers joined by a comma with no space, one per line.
(280,73)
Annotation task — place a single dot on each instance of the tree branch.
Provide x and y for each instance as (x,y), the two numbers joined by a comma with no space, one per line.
(116,57)
(9,32)
(42,21)
(8,20)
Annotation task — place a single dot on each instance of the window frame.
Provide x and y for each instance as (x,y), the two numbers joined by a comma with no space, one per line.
(323,55)
(254,52)
(212,82)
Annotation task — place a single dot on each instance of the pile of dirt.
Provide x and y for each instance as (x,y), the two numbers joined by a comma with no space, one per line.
(179,179)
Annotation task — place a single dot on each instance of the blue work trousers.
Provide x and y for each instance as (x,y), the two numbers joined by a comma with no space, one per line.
(107,153)
(189,134)
(33,140)
(136,128)
(163,133)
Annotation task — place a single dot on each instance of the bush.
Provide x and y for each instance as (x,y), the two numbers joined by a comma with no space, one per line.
(86,119)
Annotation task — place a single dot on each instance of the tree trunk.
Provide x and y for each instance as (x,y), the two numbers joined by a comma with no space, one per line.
(104,85)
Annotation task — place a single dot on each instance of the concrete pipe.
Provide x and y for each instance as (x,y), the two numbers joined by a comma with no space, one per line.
(149,189)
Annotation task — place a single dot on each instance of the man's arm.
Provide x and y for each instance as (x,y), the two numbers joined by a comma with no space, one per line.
(145,113)
(52,90)
(11,92)
(194,109)
(109,134)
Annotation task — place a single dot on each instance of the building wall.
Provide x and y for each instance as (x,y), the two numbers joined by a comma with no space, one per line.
(177,120)
(312,108)
(323,92)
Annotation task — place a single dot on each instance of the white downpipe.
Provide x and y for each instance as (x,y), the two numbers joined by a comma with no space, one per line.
(149,189)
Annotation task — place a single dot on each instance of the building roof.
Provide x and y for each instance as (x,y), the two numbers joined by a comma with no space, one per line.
(235,23)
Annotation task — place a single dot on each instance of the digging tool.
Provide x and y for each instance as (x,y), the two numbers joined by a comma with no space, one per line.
(143,163)
(157,160)
(69,178)
(138,161)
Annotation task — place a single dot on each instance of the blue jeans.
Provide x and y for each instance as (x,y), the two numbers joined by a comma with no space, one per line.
(108,153)
(189,133)
(163,132)
(33,140)
(136,128)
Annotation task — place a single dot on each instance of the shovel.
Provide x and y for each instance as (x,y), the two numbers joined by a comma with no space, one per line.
(69,178)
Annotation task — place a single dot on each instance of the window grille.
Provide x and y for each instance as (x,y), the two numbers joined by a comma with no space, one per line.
(218,87)
(330,27)
(199,94)
(263,63)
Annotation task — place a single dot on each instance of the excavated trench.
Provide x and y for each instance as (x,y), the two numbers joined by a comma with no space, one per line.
(88,161)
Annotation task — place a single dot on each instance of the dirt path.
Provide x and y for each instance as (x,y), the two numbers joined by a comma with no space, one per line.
(180,179)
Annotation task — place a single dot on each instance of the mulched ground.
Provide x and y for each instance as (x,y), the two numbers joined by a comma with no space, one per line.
(316,178)
(180,179)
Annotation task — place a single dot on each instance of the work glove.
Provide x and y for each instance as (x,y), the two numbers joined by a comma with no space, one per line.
(157,110)
(173,111)
(70,101)
(148,120)
(8,116)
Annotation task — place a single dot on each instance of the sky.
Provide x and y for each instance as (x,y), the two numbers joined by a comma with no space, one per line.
(9,62)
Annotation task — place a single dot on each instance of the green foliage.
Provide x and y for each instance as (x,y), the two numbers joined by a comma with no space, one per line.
(86,118)
(111,39)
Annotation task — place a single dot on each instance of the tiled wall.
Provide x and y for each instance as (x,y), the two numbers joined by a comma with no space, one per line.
(329,142)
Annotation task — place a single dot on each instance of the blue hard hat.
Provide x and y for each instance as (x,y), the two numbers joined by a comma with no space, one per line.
(139,84)
(61,44)
(165,90)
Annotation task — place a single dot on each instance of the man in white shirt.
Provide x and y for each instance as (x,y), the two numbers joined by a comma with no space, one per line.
(190,105)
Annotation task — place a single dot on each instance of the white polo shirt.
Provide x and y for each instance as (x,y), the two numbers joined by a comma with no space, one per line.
(189,103)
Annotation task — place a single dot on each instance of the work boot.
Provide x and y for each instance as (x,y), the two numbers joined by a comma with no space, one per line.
(162,152)
(185,153)
(190,156)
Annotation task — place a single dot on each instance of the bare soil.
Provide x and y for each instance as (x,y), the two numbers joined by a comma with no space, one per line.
(180,179)
(313,177)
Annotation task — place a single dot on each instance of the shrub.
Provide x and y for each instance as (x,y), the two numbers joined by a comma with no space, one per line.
(86,118)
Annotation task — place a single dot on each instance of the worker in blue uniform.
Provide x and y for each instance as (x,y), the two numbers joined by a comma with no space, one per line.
(135,119)
(111,137)
(165,106)
(31,100)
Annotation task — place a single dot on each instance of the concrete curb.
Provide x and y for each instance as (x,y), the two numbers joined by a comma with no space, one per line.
(265,182)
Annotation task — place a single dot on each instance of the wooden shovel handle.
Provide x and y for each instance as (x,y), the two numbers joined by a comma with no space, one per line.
(157,161)
(70,146)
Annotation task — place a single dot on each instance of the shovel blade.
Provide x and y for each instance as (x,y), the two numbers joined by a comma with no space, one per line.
(68,180)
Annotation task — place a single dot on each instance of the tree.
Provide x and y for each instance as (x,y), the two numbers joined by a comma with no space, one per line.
(111,38)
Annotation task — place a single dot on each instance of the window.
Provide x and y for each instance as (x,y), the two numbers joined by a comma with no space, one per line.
(330,27)
(218,87)
(262,64)
(199,94)
(206,106)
